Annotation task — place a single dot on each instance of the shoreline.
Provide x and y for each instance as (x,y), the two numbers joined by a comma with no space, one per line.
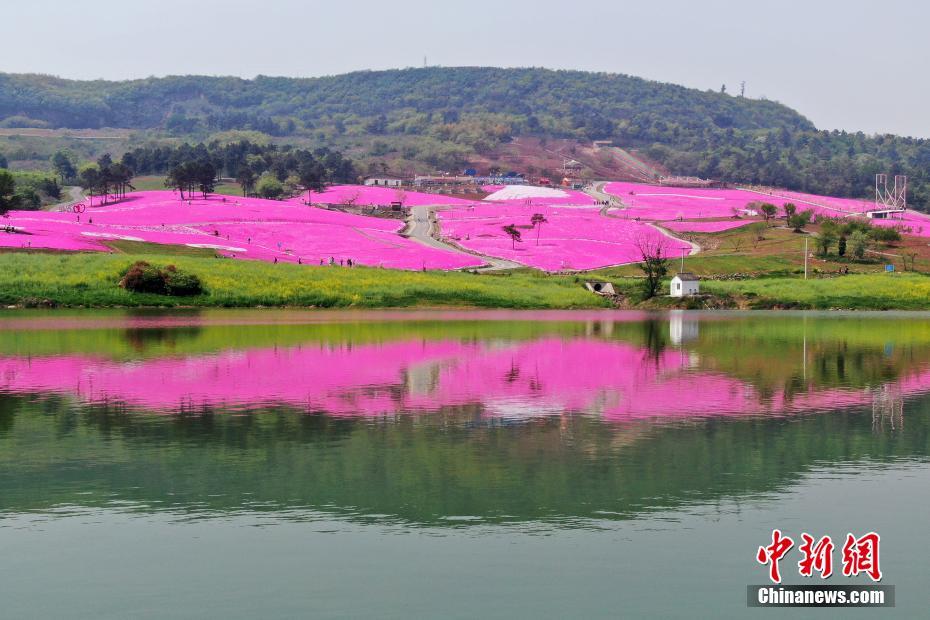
(90,280)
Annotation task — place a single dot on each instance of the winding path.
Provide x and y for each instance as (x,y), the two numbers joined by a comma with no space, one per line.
(75,194)
(421,230)
(597,192)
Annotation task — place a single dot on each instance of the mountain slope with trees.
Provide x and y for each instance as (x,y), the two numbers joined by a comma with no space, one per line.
(446,117)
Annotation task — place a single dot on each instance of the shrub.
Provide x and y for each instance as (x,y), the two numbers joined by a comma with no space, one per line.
(858,244)
(181,284)
(798,221)
(141,277)
(885,235)
(269,187)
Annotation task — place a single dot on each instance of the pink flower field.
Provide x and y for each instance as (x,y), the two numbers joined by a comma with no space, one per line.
(839,206)
(656,203)
(576,235)
(659,203)
(572,239)
(364,195)
(249,228)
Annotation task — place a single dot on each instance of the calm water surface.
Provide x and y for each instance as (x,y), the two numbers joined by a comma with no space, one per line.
(451,464)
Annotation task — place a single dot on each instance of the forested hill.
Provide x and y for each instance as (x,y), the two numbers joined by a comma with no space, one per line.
(568,103)
(445,118)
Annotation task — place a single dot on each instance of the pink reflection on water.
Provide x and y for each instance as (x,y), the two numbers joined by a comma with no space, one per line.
(507,379)
(61,319)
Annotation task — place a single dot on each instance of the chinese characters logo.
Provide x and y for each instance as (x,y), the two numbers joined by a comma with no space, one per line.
(859,555)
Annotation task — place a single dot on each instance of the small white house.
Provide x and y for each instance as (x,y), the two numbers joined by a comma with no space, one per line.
(383,182)
(685,284)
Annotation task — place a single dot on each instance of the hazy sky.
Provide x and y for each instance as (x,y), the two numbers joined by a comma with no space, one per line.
(844,64)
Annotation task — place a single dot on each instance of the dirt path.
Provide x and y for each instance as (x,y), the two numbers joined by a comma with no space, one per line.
(597,191)
(695,248)
(75,195)
(421,230)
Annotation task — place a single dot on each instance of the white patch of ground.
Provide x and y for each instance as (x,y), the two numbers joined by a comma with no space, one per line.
(520,192)
(686,196)
(211,246)
(101,235)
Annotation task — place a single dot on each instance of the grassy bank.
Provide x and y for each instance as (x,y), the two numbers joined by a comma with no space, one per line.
(91,280)
(885,291)
(894,291)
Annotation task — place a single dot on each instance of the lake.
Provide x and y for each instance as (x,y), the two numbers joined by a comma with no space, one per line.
(454,464)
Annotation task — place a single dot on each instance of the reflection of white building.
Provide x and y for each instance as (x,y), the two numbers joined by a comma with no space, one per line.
(599,328)
(682,327)
(887,407)
(685,284)
(422,379)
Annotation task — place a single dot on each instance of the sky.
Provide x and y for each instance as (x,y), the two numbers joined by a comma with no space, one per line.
(844,64)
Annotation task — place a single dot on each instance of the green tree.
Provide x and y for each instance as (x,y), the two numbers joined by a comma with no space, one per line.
(246,179)
(91,180)
(538,220)
(797,221)
(768,211)
(63,166)
(829,232)
(859,244)
(514,233)
(884,234)
(825,241)
(180,177)
(841,246)
(269,186)
(120,175)
(311,175)
(205,176)
(8,197)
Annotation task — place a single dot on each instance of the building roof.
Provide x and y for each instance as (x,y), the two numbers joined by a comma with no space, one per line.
(686,276)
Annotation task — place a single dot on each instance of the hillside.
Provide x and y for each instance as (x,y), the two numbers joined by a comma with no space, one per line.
(591,105)
(443,118)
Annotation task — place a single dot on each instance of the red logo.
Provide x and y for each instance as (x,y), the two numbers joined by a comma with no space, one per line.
(860,555)
(817,557)
(772,554)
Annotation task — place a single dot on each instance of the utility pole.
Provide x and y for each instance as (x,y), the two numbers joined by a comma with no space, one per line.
(742,88)
(805,258)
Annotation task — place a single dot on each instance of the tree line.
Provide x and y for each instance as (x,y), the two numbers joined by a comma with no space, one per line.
(27,190)
(268,171)
(106,178)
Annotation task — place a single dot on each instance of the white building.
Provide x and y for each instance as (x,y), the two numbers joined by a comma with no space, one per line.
(685,284)
(383,182)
